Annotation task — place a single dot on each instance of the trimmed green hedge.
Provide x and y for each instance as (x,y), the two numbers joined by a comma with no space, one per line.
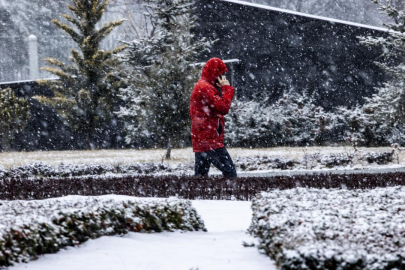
(31,228)
(186,187)
(333,229)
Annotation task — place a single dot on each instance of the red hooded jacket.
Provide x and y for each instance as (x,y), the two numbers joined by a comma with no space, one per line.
(208,107)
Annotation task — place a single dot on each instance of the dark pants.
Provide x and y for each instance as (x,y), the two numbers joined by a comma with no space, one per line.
(220,158)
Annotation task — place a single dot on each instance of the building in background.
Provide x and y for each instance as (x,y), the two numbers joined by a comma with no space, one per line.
(280,50)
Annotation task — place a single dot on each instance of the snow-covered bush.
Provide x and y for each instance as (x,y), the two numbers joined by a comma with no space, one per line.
(264,162)
(379,158)
(311,160)
(378,122)
(292,120)
(344,159)
(331,229)
(31,228)
(144,168)
(333,160)
(83,169)
(33,169)
(3,172)
(70,170)
(358,128)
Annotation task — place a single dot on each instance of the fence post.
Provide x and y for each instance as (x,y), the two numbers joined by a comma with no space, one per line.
(33,57)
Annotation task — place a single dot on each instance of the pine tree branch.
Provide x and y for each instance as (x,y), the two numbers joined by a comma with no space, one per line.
(55,62)
(72,33)
(58,72)
(73,21)
(79,7)
(78,59)
(59,102)
(45,82)
(97,3)
(57,86)
(108,54)
(61,65)
(92,12)
(101,8)
(75,11)
(107,77)
(103,32)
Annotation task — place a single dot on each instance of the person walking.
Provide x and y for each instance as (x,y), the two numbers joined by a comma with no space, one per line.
(210,101)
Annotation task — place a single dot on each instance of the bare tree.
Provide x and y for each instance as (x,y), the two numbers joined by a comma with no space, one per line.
(398,4)
(138,24)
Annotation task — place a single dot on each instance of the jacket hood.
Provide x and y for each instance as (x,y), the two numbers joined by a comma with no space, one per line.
(212,69)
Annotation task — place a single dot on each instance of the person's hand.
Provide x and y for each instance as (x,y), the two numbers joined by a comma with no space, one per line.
(222,81)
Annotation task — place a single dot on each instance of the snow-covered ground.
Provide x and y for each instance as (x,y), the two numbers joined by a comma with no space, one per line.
(249,162)
(220,248)
(184,155)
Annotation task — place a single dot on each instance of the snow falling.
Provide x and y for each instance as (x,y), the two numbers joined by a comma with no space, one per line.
(298,105)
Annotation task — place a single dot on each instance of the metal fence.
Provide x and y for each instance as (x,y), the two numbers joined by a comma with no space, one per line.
(15,56)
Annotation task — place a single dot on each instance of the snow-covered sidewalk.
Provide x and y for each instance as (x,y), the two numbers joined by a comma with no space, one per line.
(219,248)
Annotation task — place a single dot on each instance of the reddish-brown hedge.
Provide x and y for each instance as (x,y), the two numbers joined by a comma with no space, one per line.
(243,188)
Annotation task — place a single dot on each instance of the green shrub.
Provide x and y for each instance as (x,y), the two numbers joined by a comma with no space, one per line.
(331,229)
(31,228)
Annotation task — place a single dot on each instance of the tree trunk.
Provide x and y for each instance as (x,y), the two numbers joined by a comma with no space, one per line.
(5,143)
(89,145)
(90,129)
(169,149)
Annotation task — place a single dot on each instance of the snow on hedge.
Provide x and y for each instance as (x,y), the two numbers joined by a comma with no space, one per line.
(332,229)
(31,228)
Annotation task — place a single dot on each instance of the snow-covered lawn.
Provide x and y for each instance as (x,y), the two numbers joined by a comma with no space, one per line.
(220,248)
(184,155)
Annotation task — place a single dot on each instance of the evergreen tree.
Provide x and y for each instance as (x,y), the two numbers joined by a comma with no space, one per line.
(386,108)
(14,115)
(163,76)
(85,94)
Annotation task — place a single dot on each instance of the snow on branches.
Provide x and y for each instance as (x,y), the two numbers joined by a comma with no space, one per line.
(292,120)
